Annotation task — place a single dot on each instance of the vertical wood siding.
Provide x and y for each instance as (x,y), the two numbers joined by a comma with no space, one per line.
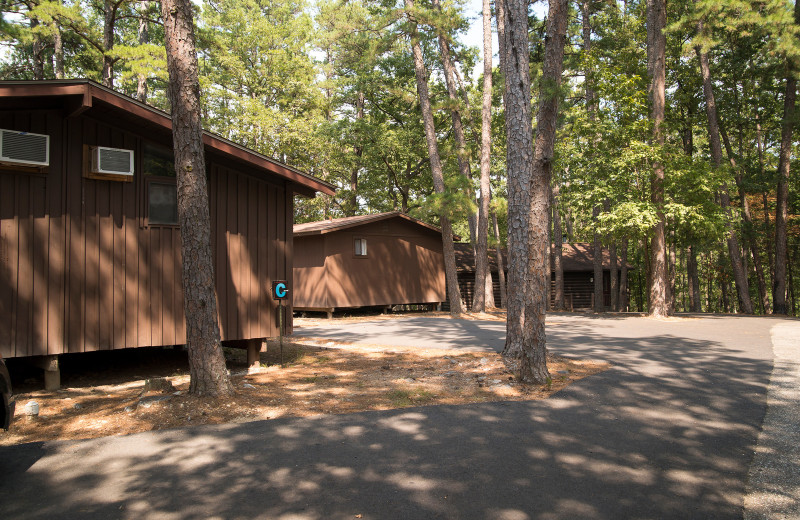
(80,270)
(404,265)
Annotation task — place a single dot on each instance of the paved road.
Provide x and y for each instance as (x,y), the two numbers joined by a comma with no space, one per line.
(668,432)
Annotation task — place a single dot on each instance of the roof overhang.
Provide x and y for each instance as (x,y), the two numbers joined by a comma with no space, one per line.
(81,95)
(330,226)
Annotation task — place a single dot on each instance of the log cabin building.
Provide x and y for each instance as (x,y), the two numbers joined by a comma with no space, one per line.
(381,260)
(578,266)
(89,243)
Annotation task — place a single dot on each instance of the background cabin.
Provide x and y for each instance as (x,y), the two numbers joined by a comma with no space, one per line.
(372,260)
(89,242)
(578,267)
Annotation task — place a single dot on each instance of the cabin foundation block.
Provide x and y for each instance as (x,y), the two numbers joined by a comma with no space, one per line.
(253,350)
(52,373)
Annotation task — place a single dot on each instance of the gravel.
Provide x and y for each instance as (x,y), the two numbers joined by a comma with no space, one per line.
(773,488)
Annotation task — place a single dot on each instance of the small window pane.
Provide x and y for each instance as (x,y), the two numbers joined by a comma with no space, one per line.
(157,161)
(361,246)
(163,203)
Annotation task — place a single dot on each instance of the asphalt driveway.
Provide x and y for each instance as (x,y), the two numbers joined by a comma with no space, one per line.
(668,432)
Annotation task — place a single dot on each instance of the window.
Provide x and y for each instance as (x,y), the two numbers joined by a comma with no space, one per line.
(360,246)
(158,165)
(162,203)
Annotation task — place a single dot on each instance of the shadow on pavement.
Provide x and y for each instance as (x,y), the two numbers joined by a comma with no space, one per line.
(668,432)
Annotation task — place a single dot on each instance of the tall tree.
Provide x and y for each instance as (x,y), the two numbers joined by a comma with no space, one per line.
(529,185)
(558,239)
(485,297)
(739,273)
(656,67)
(597,264)
(206,362)
(501,272)
(453,293)
(784,167)
(144,29)
(462,157)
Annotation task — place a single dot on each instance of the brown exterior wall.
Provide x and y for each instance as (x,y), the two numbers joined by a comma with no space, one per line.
(81,270)
(578,288)
(404,265)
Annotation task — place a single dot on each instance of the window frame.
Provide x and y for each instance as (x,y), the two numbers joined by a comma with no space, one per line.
(149,179)
(363,240)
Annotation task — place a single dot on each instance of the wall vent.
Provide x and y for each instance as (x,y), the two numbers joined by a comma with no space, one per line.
(24,148)
(114,161)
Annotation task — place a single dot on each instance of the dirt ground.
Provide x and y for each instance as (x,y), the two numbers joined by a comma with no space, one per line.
(106,395)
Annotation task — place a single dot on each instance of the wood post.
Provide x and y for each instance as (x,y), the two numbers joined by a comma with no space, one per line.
(52,373)
(253,351)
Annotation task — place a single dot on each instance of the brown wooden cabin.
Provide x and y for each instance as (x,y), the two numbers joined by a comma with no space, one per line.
(578,266)
(372,260)
(91,261)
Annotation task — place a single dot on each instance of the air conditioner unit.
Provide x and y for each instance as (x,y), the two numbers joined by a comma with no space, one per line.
(115,161)
(24,148)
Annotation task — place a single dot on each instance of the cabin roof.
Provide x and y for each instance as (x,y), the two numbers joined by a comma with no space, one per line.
(338,224)
(574,257)
(77,96)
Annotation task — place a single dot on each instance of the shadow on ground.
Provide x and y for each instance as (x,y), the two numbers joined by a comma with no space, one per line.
(668,432)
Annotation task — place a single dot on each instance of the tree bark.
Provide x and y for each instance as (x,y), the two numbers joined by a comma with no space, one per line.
(694,280)
(782,204)
(358,151)
(529,185)
(597,263)
(656,67)
(110,16)
(453,293)
(206,362)
(501,273)
(558,254)
(623,276)
(458,126)
(484,298)
(739,274)
(748,220)
(671,272)
(144,29)
(612,252)
(38,52)
(58,53)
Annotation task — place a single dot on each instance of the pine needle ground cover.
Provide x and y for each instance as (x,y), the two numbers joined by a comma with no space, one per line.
(333,379)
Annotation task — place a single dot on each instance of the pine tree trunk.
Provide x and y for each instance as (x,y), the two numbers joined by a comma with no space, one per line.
(453,293)
(671,272)
(458,126)
(358,150)
(623,276)
(782,204)
(739,273)
(597,262)
(144,30)
(656,67)
(501,273)
(558,239)
(749,225)
(694,280)
(58,51)
(481,298)
(529,185)
(206,362)
(108,42)
(38,52)
(502,55)
(519,166)
(614,297)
